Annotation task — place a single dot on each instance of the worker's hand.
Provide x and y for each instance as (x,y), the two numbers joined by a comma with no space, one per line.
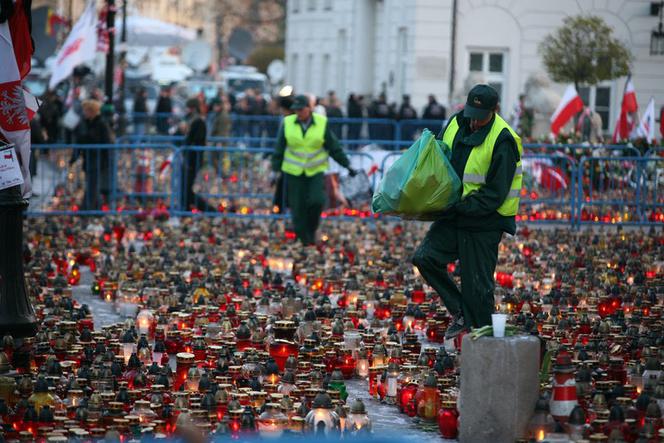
(273,178)
(352,172)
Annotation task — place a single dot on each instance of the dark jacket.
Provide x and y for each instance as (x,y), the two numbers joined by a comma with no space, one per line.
(197,132)
(478,210)
(94,131)
(434,111)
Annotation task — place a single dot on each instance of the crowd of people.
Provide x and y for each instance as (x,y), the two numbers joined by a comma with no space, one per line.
(225,114)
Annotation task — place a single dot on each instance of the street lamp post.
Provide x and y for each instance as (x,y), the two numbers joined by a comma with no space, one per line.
(110,57)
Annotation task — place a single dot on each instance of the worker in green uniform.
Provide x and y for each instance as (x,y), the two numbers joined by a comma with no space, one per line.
(304,145)
(486,153)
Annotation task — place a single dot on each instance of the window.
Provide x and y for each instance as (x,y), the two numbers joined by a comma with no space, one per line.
(325,74)
(401,62)
(296,6)
(342,56)
(493,65)
(476,59)
(292,69)
(307,85)
(328,5)
(311,5)
(599,100)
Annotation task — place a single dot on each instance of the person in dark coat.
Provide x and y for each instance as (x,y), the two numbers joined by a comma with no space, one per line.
(407,112)
(193,160)
(333,110)
(434,110)
(51,111)
(164,110)
(140,111)
(380,109)
(354,109)
(97,163)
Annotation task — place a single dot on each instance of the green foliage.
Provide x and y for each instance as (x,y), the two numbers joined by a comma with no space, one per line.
(263,55)
(584,51)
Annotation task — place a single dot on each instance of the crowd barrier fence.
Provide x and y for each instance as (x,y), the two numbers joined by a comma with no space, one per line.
(232,179)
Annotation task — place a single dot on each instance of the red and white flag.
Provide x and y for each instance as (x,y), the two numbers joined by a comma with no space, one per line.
(570,105)
(80,46)
(14,120)
(627,119)
(646,127)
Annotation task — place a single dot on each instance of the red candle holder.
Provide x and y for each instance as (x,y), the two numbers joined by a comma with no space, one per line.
(184,361)
(280,350)
(448,420)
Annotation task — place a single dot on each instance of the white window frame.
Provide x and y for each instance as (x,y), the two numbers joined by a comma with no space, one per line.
(492,77)
(592,101)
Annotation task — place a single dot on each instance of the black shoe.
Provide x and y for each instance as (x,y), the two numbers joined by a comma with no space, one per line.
(456,327)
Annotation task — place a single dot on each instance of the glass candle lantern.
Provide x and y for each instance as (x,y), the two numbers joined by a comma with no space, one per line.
(145,322)
(391,388)
(184,362)
(322,420)
(541,422)
(448,420)
(128,345)
(280,350)
(379,355)
(358,421)
(428,398)
(362,365)
(336,383)
(272,422)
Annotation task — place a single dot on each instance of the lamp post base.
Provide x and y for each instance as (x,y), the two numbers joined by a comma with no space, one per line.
(17,317)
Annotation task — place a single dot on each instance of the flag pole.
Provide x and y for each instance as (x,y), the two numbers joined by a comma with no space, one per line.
(110,56)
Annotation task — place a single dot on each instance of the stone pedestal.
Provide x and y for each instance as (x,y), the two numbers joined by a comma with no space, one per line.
(499,388)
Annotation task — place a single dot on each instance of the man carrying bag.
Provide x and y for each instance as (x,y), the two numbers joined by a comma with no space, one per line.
(486,153)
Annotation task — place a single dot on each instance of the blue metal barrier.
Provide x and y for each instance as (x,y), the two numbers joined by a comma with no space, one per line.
(579,150)
(235,181)
(412,128)
(110,178)
(231,180)
(620,190)
(548,189)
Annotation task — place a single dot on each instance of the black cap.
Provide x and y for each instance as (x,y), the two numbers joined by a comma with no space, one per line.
(299,102)
(482,99)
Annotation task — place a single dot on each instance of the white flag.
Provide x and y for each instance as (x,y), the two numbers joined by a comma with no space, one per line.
(80,46)
(646,127)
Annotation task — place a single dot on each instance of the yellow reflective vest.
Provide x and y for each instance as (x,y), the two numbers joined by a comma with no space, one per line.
(305,152)
(479,161)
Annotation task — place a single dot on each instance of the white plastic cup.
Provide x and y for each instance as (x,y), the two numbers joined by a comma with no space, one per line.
(498,322)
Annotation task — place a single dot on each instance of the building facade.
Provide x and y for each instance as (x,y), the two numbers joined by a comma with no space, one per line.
(440,47)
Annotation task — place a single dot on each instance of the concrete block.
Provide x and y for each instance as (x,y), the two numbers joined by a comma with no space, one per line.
(499,388)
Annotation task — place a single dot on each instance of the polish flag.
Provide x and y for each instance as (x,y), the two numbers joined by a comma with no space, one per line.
(14,120)
(627,119)
(570,105)
(163,168)
(646,128)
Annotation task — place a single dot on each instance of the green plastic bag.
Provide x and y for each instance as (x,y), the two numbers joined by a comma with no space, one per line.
(420,184)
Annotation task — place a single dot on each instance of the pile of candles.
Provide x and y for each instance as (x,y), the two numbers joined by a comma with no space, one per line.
(234,330)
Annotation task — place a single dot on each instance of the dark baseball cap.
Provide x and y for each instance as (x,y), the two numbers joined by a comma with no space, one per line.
(299,102)
(482,99)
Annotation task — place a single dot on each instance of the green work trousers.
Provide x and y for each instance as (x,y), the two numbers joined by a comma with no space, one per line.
(306,198)
(477,253)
